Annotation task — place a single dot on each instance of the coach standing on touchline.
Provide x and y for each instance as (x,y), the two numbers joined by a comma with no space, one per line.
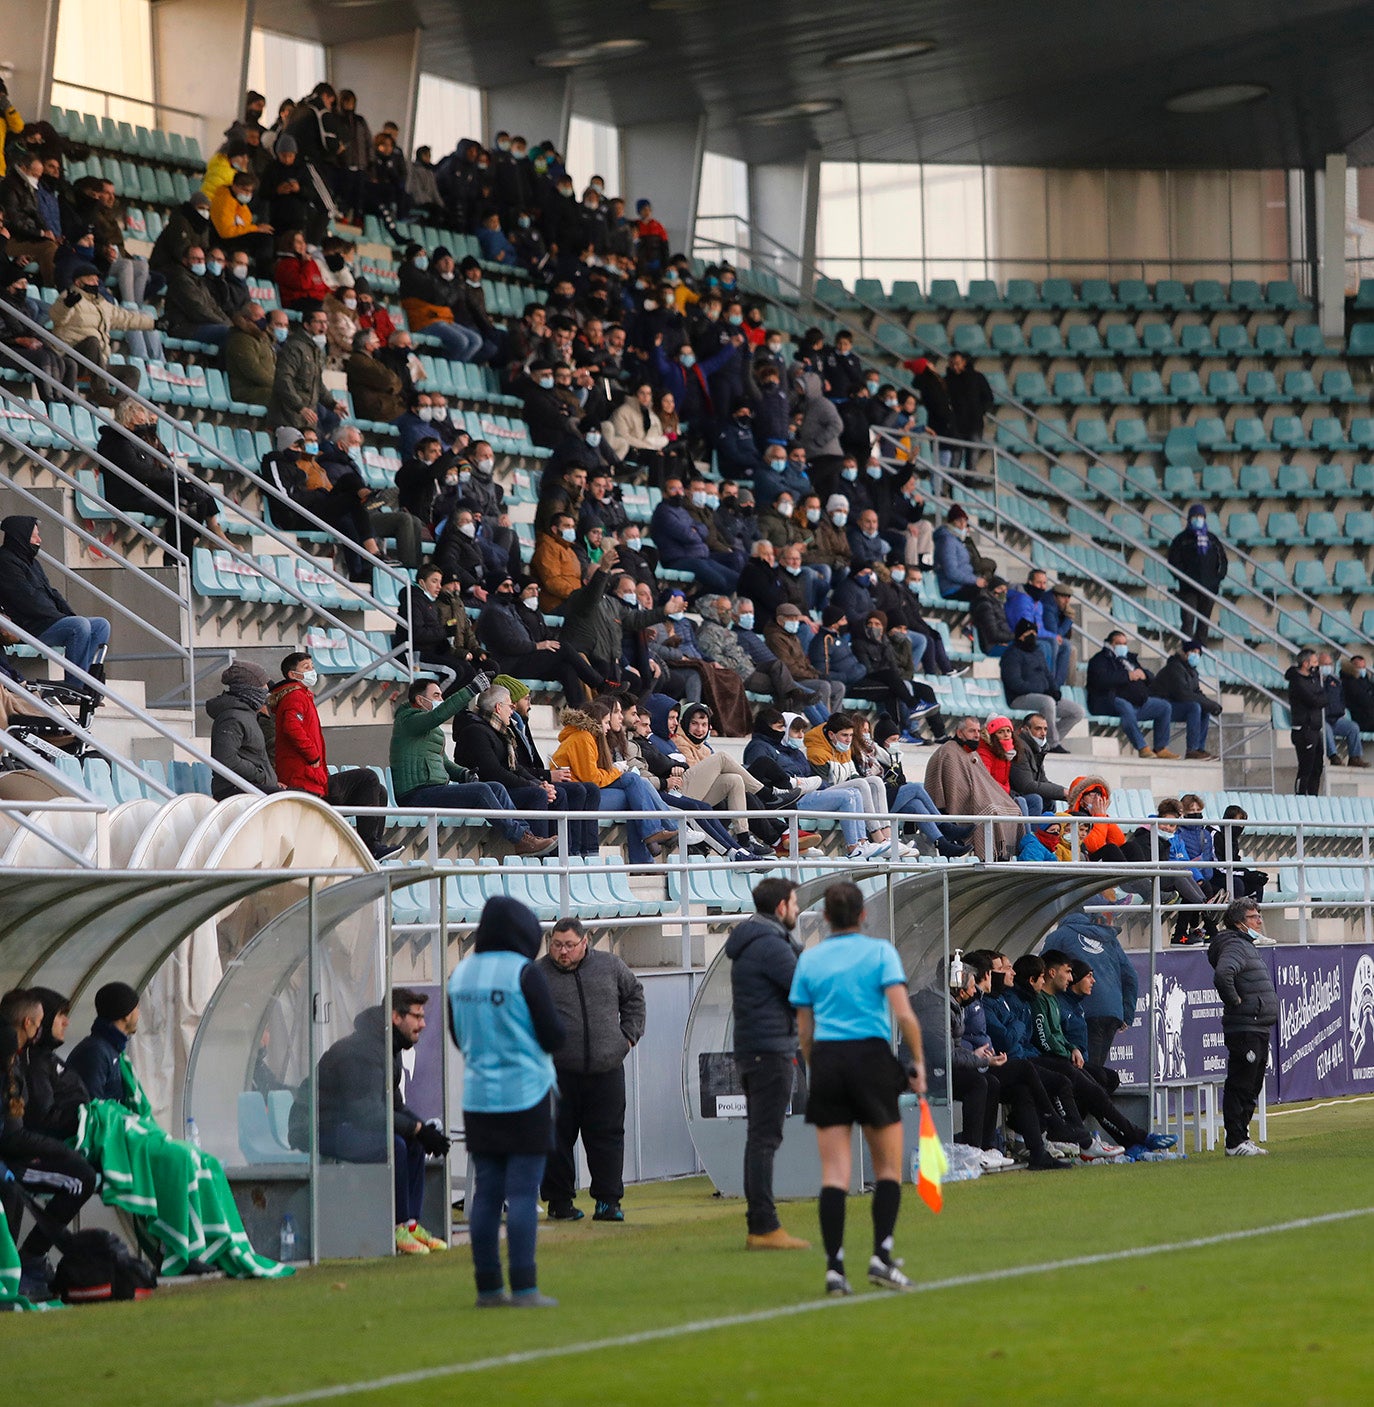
(1252,1007)
(763,957)
(601,1003)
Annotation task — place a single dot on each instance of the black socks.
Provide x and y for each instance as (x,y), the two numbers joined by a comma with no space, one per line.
(887,1199)
(832,1226)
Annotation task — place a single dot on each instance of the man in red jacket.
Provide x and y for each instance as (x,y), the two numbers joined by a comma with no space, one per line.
(300,756)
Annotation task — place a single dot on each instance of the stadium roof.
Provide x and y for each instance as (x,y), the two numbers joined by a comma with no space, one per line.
(1055,83)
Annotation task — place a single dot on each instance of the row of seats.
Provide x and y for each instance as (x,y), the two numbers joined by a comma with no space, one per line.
(1060,295)
(149,144)
(1186,388)
(1247,434)
(1121,341)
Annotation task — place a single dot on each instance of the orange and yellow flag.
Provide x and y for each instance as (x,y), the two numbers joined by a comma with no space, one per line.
(933,1162)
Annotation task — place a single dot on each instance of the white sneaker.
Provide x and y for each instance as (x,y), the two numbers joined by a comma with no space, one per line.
(1099,1148)
(869,850)
(1247,1150)
(1062,1150)
(1264,941)
(992,1161)
(908,850)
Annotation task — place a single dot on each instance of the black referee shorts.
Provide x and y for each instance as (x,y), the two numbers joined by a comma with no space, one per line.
(854,1082)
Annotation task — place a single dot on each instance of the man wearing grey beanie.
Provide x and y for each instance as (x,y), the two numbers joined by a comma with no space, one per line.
(236,737)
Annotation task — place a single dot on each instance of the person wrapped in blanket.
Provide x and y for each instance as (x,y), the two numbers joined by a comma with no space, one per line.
(177,1194)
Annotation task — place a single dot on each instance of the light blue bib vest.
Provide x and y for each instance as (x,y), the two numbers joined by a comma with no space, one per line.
(505,1068)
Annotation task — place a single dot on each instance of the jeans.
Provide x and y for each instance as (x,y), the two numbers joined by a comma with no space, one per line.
(838,799)
(1195,724)
(633,793)
(913,799)
(1155,711)
(767,1080)
(1347,731)
(145,344)
(81,639)
(584,837)
(512,1180)
(714,576)
(1059,658)
(594,1107)
(459,344)
(130,273)
(476,797)
(216,333)
(1247,1053)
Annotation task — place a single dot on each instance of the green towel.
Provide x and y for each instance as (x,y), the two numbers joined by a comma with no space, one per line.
(9,1266)
(179,1193)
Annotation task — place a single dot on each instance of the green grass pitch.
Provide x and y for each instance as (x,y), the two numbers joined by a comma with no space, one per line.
(1277,1318)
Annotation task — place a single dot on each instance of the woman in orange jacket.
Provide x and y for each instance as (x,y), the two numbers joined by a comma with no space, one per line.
(584,751)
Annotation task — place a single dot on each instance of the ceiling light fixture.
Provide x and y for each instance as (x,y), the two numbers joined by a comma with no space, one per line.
(883,53)
(1216,97)
(578,54)
(807,107)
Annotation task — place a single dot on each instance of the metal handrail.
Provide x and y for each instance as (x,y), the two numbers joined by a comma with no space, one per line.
(1110,588)
(54,656)
(879,315)
(269,490)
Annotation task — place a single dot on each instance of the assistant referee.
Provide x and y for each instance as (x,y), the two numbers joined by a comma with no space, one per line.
(847,991)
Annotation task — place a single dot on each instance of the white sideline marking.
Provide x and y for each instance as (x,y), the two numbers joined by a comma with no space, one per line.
(1325,1104)
(786,1311)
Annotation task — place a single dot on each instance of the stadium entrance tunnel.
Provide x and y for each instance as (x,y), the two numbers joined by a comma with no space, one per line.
(927,915)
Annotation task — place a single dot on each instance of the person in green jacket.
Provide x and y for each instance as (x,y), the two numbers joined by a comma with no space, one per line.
(423,775)
(1047,1032)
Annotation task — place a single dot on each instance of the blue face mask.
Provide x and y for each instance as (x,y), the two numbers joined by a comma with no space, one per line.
(546,382)
(1193,658)
(875,471)
(215,267)
(746,621)
(198,269)
(1198,523)
(422,262)
(734,319)
(688,359)
(1120,651)
(281,333)
(791,626)
(631,544)
(850,473)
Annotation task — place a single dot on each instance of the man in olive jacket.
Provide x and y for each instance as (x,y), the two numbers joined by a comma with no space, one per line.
(1252,1007)
(601,1003)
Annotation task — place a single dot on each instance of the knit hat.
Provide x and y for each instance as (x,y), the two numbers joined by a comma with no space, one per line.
(439,252)
(1197,510)
(837,503)
(641,206)
(115,1000)
(288,435)
(832,615)
(244,675)
(512,686)
(286,144)
(999,722)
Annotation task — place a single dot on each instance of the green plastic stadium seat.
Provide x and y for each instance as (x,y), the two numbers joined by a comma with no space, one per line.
(1336,386)
(1096,293)
(1121,340)
(1260,386)
(944,293)
(1299,387)
(1046,341)
(1223,386)
(1186,388)
(983,293)
(1158,339)
(1234,341)
(1309,341)
(1071,389)
(1195,340)
(1146,388)
(1211,435)
(1022,294)
(1327,434)
(1029,387)
(1245,295)
(1058,293)
(1086,341)
(1134,293)
(1006,339)
(1170,293)
(1272,341)
(1293,481)
(1283,293)
(1110,389)
(907,296)
(1332,480)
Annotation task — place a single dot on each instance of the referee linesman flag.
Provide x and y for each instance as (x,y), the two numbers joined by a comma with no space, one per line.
(933,1164)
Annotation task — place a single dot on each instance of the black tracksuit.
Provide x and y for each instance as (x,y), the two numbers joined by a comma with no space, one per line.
(1252,1007)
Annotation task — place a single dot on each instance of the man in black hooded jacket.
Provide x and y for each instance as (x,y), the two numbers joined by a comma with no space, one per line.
(763,956)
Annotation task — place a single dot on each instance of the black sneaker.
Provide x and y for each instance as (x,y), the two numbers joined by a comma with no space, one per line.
(608,1211)
(886,1274)
(953,849)
(836,1285)
(1047,1162)
(382,851)
(565,1211)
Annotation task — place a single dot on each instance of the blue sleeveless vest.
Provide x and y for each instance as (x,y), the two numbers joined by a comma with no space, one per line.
(505,1068)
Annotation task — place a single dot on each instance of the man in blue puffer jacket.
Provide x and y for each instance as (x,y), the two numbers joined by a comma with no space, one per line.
(1111,1005)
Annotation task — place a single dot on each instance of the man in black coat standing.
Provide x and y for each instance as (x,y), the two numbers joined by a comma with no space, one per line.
(601,1003)
(971,402)
(1307,718)
(1199,563)
(763,956)
(1252,1007)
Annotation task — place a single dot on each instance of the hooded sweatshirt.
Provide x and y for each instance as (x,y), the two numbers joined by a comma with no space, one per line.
(55,1092)
(503,1019)
(578,751)
(26,595)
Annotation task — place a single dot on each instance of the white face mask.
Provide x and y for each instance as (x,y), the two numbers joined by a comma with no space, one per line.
(630,599)
(593,438)
(319,339)
(839,519)
(425,413)
(631,544)
(813,515)
(785,508)
(899,575)
(530,603)
(791,626)
(569,534)
(240,271)
(310,678)
(350,302)
(468,529)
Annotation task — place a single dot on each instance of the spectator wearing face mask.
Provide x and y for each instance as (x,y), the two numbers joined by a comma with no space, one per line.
(783,635)
(234,225)
(737,452)
(866,544)
(190,309)
(250,355)
(954,568)
(1028,766)
(780,475)
(226,276)
(555,565)
(427,620)
(1358,690)
(960,785)
(299,753)
(997,749)
(1340,726)
(513,631)
(298,387)
(84,320)
(1199,564)
(1028,684)
(373,387)
(461,559)
(237,740)
(1118,684)
(1179,683)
